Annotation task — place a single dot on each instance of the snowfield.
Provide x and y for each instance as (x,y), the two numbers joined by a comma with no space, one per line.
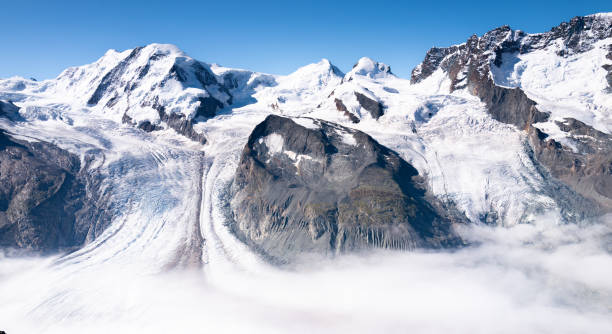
(561,85)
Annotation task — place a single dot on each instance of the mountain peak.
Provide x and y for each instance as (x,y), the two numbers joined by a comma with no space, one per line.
(153,51)
(315,75)
(326,65)
(163,50)
(369,68)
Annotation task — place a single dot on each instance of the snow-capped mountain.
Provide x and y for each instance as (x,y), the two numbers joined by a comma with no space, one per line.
(506,128)
(554,85)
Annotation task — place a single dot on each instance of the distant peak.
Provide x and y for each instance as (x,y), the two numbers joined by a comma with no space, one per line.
(166,49)
(323,66)
(370,68)
(326,64)
(150,52)
(157,51)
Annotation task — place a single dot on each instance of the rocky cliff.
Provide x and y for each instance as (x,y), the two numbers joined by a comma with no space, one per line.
(588,169)
(313,186)
(48,202)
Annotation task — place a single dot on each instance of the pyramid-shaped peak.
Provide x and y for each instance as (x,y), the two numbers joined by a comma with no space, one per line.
(322,67)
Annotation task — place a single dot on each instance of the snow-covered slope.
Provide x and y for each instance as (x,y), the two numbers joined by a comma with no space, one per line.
(131,83)
(555,85)
(564,83)
(301,90)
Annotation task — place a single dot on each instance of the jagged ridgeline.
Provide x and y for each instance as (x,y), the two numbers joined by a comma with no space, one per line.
(307,185)
(574,152)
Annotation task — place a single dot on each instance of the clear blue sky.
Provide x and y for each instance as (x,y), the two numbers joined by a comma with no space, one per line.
(41,38)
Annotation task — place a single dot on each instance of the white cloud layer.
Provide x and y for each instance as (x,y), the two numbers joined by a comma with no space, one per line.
(525,279)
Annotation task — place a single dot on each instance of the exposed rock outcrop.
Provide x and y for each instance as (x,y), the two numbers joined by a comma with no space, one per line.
(9,110)
(341,107)
(175,121)
(468,66)
(587,169)
(375,108)
(328,189)
(47,201)
(577,35)
(608,67)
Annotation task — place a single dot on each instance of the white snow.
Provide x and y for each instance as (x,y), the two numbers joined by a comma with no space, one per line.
(301,91)
(348,138)
(144,74)
(274,142)
(308,123)
(369,68)
(572,86)
(603,15)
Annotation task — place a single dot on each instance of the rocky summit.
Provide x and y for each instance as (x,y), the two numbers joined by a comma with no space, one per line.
(306,185)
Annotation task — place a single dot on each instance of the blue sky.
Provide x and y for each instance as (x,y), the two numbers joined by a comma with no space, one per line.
(41,38)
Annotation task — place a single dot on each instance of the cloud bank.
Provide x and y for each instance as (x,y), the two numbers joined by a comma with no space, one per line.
(541,278)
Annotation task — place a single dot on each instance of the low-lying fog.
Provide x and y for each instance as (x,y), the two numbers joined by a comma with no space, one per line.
(525,279)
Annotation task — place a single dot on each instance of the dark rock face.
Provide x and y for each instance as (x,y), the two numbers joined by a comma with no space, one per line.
(208,107)
(341,107)
(146,126)
(177,122)
(468,66)
(588,170)
(329,190)
(46,202)
(433,59)
(9,110)
(374,107)
(608,67)
(578,34)
(181,125)
(609,75)
(112,77)
(507,105)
